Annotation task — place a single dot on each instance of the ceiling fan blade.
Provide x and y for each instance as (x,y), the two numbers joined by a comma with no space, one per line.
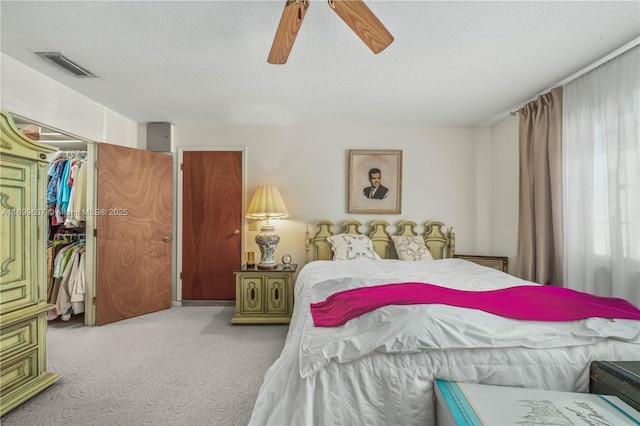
(363,22)
(290,22)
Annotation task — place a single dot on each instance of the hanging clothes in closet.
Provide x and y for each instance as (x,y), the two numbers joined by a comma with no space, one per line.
(66,205)
(66,285)
(67,190)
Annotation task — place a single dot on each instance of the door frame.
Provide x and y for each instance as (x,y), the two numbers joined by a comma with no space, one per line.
(90,270)
(178,210)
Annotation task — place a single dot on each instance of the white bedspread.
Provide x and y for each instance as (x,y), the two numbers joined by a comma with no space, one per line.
(379,368)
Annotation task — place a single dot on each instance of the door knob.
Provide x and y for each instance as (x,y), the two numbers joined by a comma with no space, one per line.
(167,239)
(236,232)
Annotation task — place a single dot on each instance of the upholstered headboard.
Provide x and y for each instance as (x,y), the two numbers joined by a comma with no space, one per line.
(441,242)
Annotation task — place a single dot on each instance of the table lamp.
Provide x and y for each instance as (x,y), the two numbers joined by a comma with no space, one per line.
(267,204)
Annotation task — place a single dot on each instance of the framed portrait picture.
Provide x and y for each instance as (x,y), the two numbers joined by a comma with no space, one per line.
(375,181)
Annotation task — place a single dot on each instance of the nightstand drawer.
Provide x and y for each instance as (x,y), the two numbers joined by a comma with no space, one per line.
(501,263)
(277,294)
(618,378)
(251,294)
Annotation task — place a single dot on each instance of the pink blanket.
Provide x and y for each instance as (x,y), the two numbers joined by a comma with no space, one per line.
(541,303)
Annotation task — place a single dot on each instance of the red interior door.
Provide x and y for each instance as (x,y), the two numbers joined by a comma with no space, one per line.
(211,224)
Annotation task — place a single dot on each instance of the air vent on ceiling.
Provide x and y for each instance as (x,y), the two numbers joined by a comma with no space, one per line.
(65,63)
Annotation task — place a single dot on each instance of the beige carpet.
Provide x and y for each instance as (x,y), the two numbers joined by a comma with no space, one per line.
(181,366)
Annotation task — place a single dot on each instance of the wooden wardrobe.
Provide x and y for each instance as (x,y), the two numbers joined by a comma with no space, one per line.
(23,239)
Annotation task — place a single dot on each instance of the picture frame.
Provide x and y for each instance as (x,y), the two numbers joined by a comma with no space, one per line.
(380,169)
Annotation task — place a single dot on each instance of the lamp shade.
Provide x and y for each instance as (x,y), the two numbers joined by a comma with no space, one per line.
(267,204)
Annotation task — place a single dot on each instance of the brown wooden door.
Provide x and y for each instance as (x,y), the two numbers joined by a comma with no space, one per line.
(134,224)
(211,224)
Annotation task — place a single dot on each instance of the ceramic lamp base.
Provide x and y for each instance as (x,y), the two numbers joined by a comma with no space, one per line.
(267,242)
(272,266)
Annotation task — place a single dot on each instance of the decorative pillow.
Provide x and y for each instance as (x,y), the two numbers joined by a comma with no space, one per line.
(411,248)
(352,246)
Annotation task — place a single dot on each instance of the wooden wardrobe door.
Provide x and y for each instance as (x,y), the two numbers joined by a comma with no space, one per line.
(23,288)
(134,225)
(211,224)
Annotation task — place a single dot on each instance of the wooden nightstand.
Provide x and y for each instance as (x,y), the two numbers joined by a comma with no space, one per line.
(264,296)
(501,263)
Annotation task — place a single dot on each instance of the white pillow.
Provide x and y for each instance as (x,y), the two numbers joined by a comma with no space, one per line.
(352,246)
(411,248)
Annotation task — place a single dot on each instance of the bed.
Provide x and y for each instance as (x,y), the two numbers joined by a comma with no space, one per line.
(379,368)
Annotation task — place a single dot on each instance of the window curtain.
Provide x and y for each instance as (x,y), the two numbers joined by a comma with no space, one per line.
(601,151)
(539,257)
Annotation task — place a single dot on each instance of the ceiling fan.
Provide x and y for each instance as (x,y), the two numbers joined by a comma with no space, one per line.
(354,13)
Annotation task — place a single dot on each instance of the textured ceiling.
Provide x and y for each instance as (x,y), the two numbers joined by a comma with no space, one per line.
(205,62)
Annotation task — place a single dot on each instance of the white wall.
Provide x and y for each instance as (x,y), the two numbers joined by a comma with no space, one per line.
(483,193)
(464,176)
(30,94)
(444,170)
(504,187)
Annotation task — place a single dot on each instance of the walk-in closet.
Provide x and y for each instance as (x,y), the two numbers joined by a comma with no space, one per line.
(69,260)
(109,217)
